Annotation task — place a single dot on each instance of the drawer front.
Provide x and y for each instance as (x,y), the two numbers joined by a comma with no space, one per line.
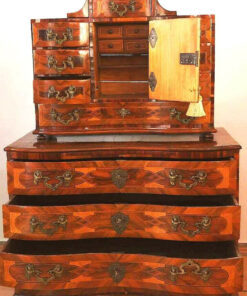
(120,116)
(60,34)
(111,46)
(136,46)
(61,91)
(136,31)
(118,272)
(125,8)
(126,176)
(61,62)
(121,220)
(108,32)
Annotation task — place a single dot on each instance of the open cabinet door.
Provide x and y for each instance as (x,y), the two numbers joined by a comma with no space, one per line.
(174,53)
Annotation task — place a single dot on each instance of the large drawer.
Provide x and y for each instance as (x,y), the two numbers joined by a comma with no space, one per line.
(60,34)
(110,215)
(125,176)
(118,265)
(61,62)
(61,91)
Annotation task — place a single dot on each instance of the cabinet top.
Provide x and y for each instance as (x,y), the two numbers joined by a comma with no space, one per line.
(124,146)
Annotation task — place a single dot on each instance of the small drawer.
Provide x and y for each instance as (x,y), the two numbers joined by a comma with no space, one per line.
(123,176)
(215,218)
(136,31)
(61,62)
(111,46)
(115,266)
(61,91)
(60,34)
(136,46)
(108,32)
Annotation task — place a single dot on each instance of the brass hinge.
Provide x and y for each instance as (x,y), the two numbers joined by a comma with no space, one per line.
(189,58)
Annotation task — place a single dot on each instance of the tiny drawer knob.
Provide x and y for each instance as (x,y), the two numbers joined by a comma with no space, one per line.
(138,45)
(110,45)
(136,31)
(110,31)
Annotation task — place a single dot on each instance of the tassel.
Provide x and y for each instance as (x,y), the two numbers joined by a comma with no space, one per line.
(196,109)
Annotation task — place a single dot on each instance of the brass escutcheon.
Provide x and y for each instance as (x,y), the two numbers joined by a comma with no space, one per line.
(124,112)
(119,222)
(117,272)
(199,178)
(119,178)
(52,36)
(61,222)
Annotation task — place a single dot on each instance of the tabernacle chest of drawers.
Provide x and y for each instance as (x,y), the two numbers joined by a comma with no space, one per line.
(124,67)
(140,214)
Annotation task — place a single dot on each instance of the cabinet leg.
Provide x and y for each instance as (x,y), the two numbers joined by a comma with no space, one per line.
(207,137)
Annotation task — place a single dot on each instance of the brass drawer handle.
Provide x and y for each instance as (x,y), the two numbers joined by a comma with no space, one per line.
(122,9)
(65,119)
(69,93)
(52,64)
(119,178)
(65,179)
(55,273)
(177,223)
(175,114)
(124,112)
(195,268)
(119,222)
(35,223)
(199,178)
(52,36)
(117,272)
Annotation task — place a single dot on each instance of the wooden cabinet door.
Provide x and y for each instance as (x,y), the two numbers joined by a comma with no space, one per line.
(173,79)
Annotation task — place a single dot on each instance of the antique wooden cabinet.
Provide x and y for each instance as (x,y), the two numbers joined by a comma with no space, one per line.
(124,67)
(137,215)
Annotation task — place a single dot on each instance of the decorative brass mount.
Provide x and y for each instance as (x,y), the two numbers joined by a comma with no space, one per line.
(177,222)
(117,272)
(36,223)
(119,178)
(52,64)
(119,222)
(55,273)
(199,178)
(61,118)
(69,93)
(52,36)
(124,112)
(122,9)
(65,179)
(203,273)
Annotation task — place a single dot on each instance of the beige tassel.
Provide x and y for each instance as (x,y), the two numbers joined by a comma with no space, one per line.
(196,109)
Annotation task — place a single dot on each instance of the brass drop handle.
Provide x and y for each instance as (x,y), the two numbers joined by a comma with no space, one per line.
(69,93)
(190,265)
(61,222)
(124,112)
(65,119)
(52,36)
(175,114)
(55,273)
(52,64)
(122,9)
(177,223)
(199,178)
(65,180)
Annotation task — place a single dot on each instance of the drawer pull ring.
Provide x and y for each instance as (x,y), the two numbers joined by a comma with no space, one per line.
(69,93)
(199,178)
(117,272)
(52,64)
(195,268)
(65,119)
(119,222)
(122,9)
(205,224)
(36,223)
(65,179)
(55,273)
(119,178)
(124,112)
(175,114)
(52,36)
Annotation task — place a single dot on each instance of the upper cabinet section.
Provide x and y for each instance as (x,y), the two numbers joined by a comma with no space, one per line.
(60,34)
(121,9)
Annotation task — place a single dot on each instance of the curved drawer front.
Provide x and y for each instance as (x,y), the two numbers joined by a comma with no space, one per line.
(60,34)
(61,62)
(117,272)
(121,220)
(126,176)
(116,116)
(61,91)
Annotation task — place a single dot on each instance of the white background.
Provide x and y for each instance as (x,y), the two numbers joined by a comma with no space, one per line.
(16,102)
